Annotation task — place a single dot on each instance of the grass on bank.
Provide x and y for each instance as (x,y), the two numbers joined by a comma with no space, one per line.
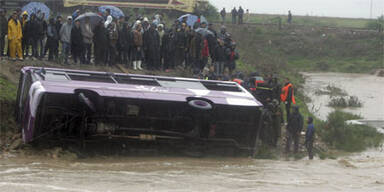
(346,137)
(307,20)
(8,92)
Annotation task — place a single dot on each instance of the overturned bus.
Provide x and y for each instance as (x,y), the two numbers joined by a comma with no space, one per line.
(86,105)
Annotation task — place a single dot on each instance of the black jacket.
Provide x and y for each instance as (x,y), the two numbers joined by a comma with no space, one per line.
(295,123)
(100,37)
(76,39)
(4,25)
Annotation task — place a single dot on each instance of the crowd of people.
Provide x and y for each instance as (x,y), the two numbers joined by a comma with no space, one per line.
(134,42)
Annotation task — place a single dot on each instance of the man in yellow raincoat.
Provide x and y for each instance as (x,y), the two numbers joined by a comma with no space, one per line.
(14,36)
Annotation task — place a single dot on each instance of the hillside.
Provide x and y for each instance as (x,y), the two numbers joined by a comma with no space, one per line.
(306,48)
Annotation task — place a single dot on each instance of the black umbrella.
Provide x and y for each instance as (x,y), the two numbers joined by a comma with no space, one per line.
(94,18)
(204,31)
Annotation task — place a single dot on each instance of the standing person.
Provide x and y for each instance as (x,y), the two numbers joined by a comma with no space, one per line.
(119,47)
(125,43)
(3,30)
(240,13)
(100,39)
(32,33)
(234,15)
(223,13)
(65,38)
(86,31)
(58,23)
(168,49)
(41,31)
(181,43)
(152,45)
(113,36)
(211,28)
(14,38)
(219,58)
(25,39)
(276,87)
(52,40)
(75,14)
(294,127)
(77,43)
(138,46)
(195,46)
(247,15)
(232,56)
(160,30)
(223,33)
(310,137)
(107,17)
(289,17)
(287,96)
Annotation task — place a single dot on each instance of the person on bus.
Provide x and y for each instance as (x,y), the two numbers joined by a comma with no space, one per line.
(287,96)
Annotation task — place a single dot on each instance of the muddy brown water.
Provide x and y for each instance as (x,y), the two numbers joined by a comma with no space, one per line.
(368,88)
(355,172)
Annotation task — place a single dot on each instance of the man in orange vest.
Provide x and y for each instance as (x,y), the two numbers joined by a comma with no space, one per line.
(287,96)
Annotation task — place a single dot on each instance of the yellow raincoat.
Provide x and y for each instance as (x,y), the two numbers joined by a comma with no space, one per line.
(14,36)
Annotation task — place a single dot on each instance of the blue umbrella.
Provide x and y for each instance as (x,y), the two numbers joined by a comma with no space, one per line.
(115,12)
(34,7)
(191,19)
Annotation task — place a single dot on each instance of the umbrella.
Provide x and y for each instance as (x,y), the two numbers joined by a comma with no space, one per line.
(115,12)
(34,7)
(204,31)
(94,18)
(191,19)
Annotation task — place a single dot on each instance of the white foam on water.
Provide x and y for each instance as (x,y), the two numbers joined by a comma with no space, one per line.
(15,170)
(43,186)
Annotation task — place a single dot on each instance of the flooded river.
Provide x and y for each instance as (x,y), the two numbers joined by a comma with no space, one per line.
(368,88)
(356,172)
(362,172)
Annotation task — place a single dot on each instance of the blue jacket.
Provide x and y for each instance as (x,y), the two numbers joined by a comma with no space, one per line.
(310,133)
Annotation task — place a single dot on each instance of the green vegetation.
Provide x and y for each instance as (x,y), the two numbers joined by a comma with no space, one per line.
(308,20)
(331,90)
(308,49)
(342,102)
(7,103)
(351,138)
(7,90)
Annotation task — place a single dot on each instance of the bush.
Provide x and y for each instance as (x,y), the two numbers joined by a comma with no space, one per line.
(351,138)
(343,102)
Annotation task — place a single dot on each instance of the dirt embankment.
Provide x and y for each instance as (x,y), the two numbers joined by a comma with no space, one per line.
(267,48)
